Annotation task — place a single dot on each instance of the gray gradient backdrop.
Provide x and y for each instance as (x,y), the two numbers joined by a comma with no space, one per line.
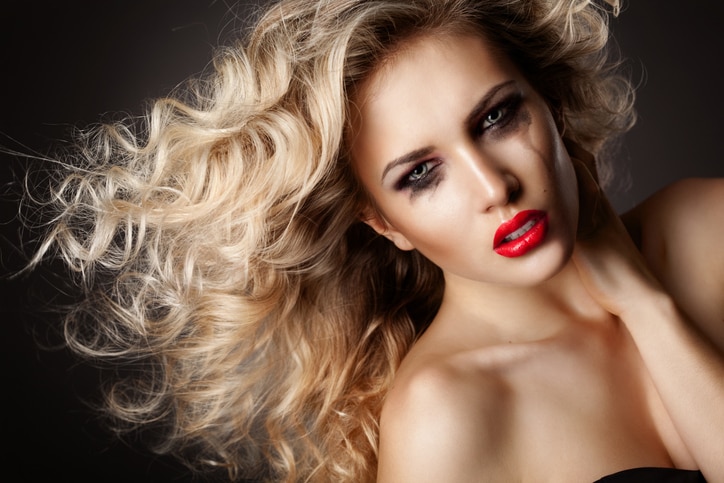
(70,63)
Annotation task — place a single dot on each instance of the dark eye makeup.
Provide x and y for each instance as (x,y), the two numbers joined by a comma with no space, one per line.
(421,176)
(498,120)
(500,117)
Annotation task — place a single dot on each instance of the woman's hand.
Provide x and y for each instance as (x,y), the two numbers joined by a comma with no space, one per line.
(611,267)
(685,368)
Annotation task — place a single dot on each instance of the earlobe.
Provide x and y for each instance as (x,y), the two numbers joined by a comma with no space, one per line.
(377,222)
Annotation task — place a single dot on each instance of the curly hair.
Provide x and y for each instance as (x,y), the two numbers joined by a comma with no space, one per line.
(219,245)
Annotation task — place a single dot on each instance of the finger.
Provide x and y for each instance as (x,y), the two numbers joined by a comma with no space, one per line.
(589,195)
(577,151)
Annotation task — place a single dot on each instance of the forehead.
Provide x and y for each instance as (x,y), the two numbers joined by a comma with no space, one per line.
(445,49)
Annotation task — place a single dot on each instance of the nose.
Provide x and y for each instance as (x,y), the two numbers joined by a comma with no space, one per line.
(495,185)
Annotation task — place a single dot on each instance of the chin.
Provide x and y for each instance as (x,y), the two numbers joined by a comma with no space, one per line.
(550,264)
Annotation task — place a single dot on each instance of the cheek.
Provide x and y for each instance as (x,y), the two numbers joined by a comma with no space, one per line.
(426,225)
(562,171)
(423,222)
(563,181)
(568,187)
(565,174)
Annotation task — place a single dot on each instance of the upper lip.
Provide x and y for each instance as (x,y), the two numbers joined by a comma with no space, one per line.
(510,226)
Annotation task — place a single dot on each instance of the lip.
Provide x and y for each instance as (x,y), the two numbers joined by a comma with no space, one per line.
(534,224)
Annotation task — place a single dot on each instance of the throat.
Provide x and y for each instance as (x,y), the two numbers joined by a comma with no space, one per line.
(522,314)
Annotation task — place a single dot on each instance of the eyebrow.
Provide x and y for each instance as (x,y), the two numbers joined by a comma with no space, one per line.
(484,103)
(482,106)
(406,159)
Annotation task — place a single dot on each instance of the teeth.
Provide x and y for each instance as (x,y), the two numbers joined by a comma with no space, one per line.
(519,232)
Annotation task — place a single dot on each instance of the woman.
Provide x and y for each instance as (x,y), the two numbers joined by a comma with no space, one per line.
(233,253)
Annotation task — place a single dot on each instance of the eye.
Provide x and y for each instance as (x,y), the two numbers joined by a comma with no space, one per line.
(421,176)
(501,117)
(493,117)
(419,172)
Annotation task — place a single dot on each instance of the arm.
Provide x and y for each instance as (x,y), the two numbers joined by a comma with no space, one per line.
(681,236)
(685,366)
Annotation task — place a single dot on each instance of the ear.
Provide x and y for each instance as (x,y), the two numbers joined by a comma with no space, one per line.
(377,222)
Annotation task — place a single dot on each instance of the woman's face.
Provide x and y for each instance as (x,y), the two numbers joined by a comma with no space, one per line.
(464,163)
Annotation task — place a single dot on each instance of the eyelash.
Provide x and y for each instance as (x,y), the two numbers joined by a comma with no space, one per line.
(423,180)
(508,110)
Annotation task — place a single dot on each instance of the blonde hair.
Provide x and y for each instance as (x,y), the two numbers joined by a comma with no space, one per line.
(219,246)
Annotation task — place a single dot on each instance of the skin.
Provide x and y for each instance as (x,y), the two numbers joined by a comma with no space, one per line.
(548,366)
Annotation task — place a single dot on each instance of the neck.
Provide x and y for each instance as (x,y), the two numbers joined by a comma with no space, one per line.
(505,314)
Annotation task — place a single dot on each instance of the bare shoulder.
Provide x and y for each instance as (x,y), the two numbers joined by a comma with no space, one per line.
(443,421)
(681,221)
(680,231)
(685,197)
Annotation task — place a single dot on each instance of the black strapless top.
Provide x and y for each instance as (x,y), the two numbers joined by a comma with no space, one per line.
(654,475)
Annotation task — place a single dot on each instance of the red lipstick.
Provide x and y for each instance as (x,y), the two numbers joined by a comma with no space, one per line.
(521,234)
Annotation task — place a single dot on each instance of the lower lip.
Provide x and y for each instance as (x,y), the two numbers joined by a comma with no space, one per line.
(527,242)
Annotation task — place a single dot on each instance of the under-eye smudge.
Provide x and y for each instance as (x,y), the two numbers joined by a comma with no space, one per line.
(423,175)
(504,118)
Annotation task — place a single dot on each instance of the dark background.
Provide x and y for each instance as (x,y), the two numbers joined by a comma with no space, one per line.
(73,62)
